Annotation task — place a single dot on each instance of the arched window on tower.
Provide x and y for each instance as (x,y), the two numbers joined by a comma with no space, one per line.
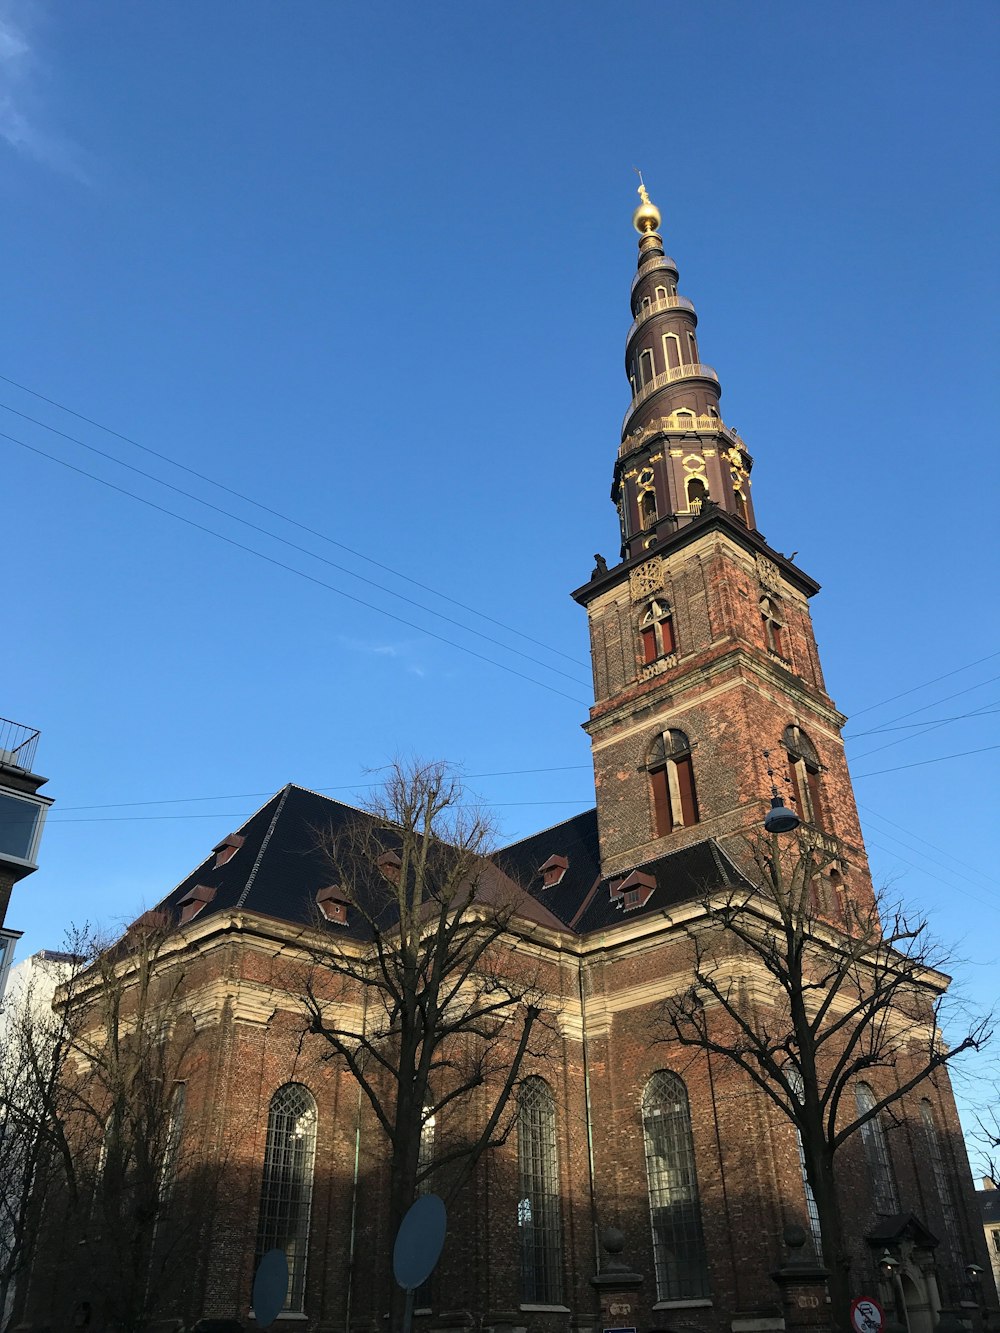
(692,349)
(661,295)
(804,768)
(647,509)
(742,509)
(286,1188)
(656,631)
(646,367)
(675,1212)
(539,1222)
(876,1146)
(671,775)
(697,494)
(774,625)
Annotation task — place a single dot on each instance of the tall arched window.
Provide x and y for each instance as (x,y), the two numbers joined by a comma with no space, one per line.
(774,625)
(880,1170)
(286,1189)
(675,1213)
(671,776)
(804,768)
(812,1212)
(647,509)
(656,631)
(539,1222)
(942,1180)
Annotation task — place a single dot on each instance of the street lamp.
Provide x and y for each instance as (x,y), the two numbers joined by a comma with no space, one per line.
(779,819)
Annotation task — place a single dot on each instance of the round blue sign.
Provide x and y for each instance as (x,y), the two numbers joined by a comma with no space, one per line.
(270,1287)
(419,1241)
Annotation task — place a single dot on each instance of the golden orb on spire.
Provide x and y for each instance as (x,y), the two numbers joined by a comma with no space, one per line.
(646,217)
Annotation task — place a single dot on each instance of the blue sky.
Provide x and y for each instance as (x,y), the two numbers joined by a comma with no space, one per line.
(368,265)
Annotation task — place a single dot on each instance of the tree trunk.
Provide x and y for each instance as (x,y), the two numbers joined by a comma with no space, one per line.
(819,1169)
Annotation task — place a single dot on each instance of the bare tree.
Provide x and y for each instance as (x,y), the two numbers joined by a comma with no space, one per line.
(427,1004)
(35,1042)
(807,997)
(121,1219)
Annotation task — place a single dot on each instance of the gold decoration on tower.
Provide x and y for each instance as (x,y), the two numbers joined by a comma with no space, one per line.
(646,217)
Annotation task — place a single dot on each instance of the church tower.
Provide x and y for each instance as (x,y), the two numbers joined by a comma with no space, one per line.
(706,673)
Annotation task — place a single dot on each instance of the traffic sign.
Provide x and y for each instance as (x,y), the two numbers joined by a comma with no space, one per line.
(867,1316)
(270,1287)
(419,1241)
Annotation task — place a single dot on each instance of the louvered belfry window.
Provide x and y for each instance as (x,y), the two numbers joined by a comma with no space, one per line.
(675,1212)
(539,1221)
(286,1189)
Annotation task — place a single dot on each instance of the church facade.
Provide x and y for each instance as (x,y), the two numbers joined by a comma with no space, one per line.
(707,684)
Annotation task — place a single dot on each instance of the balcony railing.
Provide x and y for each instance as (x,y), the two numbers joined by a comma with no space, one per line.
(681,422)
(17,744)
(653,307)
(650,266)
(695,371)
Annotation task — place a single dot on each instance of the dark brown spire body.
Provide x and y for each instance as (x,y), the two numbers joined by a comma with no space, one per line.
(676,453)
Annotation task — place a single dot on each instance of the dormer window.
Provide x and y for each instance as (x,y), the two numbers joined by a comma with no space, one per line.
(332,903)
(634,891)
(553,871)
(227,849)
(671,776)
(390,866)
(194,901)
(151,921)
(656,631)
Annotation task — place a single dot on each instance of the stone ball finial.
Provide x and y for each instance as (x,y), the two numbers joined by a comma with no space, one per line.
(794,1236)
(613,1240)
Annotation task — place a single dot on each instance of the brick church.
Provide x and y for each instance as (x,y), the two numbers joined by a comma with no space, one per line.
(706,677)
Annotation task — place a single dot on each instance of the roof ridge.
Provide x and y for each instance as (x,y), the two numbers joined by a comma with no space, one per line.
(253,815)
(263,846)
(510,845)
(311,791)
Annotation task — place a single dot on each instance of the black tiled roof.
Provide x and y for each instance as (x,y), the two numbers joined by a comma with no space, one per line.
(583,897)
(280,867)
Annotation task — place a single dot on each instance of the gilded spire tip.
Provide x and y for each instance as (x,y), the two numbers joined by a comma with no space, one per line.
(646,217)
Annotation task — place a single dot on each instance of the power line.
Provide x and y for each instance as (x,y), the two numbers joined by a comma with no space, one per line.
(910,834)
(246,814)
(955,888)
(303,550)
(933,703)
(913,690)
(931,722)
(280,564)
(276,513)
(921,762)
(345,786)
(927,726)
(948,864)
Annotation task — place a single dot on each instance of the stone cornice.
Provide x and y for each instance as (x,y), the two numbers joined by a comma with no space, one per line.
(713,520)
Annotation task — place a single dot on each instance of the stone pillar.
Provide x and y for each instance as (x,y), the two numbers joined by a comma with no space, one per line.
(616,1285)
(804,1301)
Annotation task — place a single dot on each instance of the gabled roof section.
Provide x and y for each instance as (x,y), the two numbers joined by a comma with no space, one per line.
(280,866)
(583,898)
